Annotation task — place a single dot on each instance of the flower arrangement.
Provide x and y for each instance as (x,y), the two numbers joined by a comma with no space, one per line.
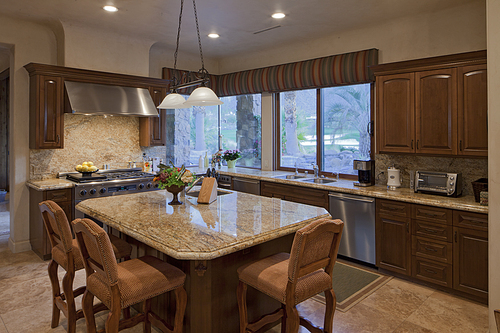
(231,155)
(173,176)
(217,157)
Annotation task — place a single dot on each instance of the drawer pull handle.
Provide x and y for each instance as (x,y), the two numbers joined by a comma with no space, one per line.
(431,231)
(430,271)
(430,249)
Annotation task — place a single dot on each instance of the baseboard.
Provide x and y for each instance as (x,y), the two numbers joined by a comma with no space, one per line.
(19,246)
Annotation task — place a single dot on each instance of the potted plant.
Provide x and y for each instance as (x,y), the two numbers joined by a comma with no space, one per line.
(230,156)
(174,179)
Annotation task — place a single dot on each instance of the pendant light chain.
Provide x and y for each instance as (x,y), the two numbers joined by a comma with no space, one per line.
(202,70)
(178,36)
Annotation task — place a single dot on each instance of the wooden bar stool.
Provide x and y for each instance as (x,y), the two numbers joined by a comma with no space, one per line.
(121,285)
(66,253)
(295,277)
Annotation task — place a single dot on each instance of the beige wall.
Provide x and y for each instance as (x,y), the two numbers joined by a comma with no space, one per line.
(450,31)
(493,31)
(26,42)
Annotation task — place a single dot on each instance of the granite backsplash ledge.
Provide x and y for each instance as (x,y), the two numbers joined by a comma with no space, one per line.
(471,168)
(102,140)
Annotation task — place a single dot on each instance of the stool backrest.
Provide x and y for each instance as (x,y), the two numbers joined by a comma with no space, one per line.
(315,246)
(57,225)
(97,251)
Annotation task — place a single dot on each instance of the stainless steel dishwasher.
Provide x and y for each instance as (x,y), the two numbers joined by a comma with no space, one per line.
(246,185)
(358,214)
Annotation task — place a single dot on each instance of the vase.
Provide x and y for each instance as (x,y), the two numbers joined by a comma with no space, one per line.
(231,164)
(219,164)
(175,190)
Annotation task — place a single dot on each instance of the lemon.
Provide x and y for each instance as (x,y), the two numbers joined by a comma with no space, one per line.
(85,163)
(93,168)
(90,164)
(85,168)
(79,167)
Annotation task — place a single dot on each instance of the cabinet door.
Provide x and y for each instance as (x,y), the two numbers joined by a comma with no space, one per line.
(396,113)
(393,243)
(472,111)
(436,111)
(153,129)
(470,261)
(47,112)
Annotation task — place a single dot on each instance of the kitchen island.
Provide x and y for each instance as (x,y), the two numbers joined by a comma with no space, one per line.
(208,242)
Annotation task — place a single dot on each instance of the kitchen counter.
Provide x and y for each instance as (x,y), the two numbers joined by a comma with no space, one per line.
(195,231)
(465,203)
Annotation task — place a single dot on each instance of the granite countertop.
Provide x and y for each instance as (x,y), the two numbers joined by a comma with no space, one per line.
(465,203)
(50,184)
(195,231)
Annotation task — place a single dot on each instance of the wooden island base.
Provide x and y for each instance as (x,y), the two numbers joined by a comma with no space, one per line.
(211,288)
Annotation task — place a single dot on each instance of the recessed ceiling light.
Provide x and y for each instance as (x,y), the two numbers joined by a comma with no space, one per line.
(278,15)
(213,35)
(110,8)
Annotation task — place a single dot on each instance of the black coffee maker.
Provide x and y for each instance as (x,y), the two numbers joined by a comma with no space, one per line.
(366,172)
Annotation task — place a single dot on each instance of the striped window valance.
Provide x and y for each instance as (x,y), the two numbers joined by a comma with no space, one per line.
(348,68)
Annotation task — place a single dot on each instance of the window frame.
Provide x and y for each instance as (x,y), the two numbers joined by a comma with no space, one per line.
(319,133)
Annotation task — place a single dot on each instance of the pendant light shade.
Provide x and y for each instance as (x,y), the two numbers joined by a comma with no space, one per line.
(203,96)
(172,101)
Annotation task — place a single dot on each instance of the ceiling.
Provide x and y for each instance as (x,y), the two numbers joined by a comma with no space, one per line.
(234,20)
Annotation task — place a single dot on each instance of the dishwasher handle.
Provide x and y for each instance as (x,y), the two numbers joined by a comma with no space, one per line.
(342,196)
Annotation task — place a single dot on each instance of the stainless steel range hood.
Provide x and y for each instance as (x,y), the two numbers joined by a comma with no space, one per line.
(102,99)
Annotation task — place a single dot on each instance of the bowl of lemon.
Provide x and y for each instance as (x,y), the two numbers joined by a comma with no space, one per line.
(86,168)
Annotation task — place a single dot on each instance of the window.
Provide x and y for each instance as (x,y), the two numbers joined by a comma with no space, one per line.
(341,115)
(236,124)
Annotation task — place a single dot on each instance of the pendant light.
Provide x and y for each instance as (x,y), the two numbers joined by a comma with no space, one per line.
(201,96)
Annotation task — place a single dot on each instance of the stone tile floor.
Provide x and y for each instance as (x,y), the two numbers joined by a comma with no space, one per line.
(399,306)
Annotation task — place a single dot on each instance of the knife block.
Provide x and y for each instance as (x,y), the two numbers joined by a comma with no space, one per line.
(208,191)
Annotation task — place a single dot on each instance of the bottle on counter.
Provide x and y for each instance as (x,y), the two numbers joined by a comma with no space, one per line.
(205,165)
(201,163)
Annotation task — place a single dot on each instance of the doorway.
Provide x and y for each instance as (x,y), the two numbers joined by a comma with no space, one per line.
(4,153)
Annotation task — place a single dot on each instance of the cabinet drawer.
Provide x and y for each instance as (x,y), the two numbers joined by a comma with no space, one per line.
(432,249)
(391,208)
(433,230)
(432,214)
(58,195)
(433,272)
(295,193)
(470,220)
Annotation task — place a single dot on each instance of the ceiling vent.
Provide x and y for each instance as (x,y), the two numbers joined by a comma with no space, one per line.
(266,29)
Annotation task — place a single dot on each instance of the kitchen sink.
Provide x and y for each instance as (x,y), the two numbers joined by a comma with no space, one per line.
(290,176)
(196,193)
(319,180)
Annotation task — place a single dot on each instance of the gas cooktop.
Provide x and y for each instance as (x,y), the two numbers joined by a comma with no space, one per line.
(112,175)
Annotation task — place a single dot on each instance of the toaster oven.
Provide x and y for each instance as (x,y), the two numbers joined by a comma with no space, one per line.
(434,182)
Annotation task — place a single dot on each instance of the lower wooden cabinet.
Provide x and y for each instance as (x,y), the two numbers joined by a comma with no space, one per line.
(299,194)
(39,240)
(445,247)
(393,239)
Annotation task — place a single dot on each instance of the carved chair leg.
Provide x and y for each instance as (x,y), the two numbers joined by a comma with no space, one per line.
(88,311)
(67,284)
(113,320)
(242,306)
(292,319)
(126,312)
(180,308)
(56,292)
(331,304)
(283,319)
(146,310)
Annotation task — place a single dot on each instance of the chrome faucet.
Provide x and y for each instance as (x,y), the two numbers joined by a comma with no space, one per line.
(296,169)
(316,170)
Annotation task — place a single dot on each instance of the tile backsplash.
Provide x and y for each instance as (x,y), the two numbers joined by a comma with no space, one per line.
(471,168)
(111,140)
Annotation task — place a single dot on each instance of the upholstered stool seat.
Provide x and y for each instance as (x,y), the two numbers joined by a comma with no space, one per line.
(121,285)
(66,253)
(293,278)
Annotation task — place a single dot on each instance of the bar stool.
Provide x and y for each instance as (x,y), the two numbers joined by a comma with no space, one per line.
(295,277)
(65,253)
(121,285)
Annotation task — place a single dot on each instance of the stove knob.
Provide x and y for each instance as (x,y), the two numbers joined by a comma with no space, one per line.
(83,193)
(102,190)
(149,185)
(141,186)
(92,191)
(157,185)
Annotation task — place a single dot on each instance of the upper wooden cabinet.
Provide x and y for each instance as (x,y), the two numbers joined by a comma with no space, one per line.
(46,112)
(152,130)
(434,106)
(47,102)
